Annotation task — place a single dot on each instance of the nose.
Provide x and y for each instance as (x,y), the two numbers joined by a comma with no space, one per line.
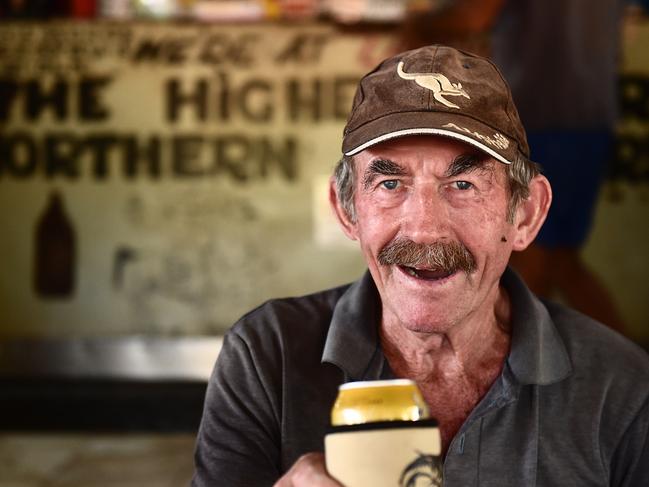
(426,216)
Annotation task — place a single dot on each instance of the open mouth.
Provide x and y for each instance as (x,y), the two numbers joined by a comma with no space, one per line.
(425,274)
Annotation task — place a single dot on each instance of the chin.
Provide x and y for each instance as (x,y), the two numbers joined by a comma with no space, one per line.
(429,328)
(426,322)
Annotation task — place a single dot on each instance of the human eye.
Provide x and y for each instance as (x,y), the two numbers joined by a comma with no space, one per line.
(462,185)
(390,184)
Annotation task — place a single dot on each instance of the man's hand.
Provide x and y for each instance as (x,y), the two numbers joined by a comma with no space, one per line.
(308,471)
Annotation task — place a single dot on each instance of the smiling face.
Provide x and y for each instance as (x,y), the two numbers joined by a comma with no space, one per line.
(438,208)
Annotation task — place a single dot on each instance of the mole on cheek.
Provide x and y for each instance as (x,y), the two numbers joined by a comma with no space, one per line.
(503,239)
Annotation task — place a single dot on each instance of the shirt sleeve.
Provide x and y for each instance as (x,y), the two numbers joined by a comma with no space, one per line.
(239,436)
(630,466)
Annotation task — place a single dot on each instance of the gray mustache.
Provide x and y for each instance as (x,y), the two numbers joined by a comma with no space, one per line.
(438,256)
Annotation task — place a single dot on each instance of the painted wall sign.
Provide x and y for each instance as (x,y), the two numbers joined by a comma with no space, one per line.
(190,165)
(185,156)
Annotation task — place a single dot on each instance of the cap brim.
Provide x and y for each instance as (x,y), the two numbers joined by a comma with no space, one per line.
(428,131)
(407,124)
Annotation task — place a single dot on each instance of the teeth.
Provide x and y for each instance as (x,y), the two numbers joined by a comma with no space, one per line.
(425,274)
(412,272)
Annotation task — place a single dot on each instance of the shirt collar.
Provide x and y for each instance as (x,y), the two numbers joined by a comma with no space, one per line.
(538,354)
(352,341)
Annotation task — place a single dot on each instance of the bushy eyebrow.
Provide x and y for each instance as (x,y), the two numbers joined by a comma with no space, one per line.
(381,167)
(465,163)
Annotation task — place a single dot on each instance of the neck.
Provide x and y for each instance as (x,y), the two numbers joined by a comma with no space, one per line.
(455,369)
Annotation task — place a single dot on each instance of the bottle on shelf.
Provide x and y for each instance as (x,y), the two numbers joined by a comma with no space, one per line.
(54,251)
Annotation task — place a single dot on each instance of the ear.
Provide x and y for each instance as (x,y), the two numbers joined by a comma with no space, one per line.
(348,227)
(531,213)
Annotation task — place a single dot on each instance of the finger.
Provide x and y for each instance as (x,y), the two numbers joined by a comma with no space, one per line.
(313,472)
(308,471)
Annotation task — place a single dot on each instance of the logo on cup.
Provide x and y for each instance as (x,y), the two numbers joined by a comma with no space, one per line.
(424,471)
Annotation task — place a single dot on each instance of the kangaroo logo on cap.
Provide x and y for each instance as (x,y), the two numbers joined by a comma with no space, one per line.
(437,83)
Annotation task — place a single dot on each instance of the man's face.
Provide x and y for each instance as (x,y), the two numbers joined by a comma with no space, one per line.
(432,190)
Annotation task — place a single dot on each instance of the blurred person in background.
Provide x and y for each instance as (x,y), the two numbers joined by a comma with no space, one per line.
(560,58)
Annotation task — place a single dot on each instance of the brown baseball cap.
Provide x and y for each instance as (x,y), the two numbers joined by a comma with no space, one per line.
(436,90)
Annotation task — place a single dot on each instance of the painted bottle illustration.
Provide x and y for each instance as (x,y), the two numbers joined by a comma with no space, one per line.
(55,251)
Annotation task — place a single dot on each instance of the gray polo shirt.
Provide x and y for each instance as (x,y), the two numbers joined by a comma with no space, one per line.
(571,406)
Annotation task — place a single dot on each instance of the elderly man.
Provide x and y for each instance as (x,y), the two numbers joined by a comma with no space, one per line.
(436,186)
